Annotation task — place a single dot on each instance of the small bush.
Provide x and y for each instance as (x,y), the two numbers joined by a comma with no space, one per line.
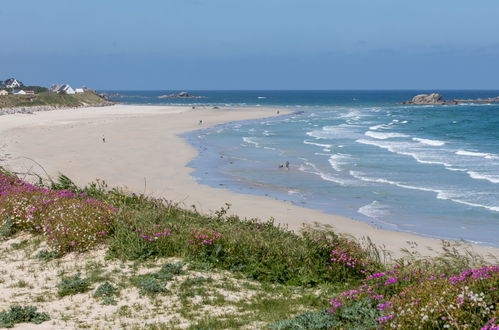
(195,281)
(359,315)
(73,285)
(309,320)
(149,285)
(169,268)
(19,314)
(154,283)
(107,292)
(6,228)
(47,255)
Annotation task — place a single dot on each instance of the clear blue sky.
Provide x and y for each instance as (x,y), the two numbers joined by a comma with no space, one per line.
(257,44)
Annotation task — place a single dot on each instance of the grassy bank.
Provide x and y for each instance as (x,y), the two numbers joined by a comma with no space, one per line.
(50,99)
(149,262)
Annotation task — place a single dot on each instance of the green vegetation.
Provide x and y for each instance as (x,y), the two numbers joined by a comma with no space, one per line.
(19,314)
(47,255)
(358,316)
(73,285)
(279,279)
(36,89)
(151,284)
(106,292)
(50,99)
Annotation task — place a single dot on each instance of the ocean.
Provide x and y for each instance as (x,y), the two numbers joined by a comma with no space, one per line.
(428,170)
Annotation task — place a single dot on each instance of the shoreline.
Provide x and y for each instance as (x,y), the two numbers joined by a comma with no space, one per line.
(143,150)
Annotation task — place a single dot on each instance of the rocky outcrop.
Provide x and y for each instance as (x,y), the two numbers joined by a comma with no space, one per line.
(434,98)
(181,95)
(437,99)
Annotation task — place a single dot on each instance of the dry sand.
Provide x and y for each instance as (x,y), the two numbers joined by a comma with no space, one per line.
(143,151)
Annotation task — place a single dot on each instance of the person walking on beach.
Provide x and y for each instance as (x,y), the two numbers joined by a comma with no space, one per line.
(103,139)
(200,122)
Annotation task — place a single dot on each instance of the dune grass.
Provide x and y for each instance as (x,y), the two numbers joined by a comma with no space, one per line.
(50,99)
(354,287)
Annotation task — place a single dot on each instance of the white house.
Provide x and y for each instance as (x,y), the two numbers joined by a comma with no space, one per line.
(11,83)
(55,88)
(79,90)
(2,92)
(19,92)
(66,89)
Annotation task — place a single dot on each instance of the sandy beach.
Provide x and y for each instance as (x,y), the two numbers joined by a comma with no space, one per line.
(139,147)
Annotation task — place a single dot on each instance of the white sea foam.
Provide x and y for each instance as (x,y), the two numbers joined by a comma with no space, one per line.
(374,210)
(381,126)
(476,154)
(429,142)
(362,177)
(455,169)
(334,132)
(401,149)
(441,194)
(384,136)
(351,114)
(325,176)
(491,208)
(251,140)
(479,176)
(261,97)
(326,147)
(337,161)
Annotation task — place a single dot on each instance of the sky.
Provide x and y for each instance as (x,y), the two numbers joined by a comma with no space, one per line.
(257,44)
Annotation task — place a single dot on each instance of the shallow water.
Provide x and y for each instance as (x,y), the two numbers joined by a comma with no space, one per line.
(430,170)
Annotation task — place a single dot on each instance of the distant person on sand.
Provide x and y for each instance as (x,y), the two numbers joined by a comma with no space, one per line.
(103,139)
(200,122)
(277,111)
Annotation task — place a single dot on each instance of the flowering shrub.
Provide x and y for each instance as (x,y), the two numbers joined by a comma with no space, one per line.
(349,257)
(203,243)
(153,233)
(19,202)
(204,237)
(70,221)
(76,224)
(416,299)
(466,300)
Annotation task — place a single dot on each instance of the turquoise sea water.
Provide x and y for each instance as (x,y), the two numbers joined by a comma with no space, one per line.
(430,170)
